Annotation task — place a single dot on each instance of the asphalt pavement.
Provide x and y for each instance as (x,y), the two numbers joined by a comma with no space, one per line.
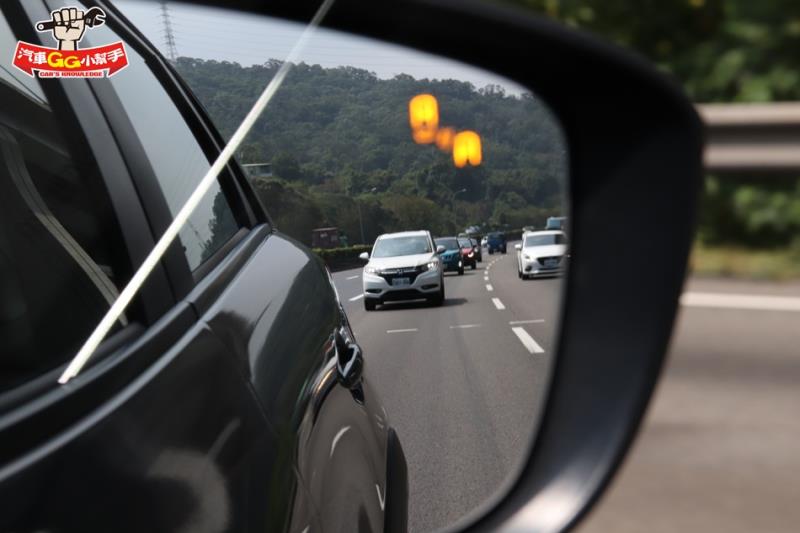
(720,447)
(460,381)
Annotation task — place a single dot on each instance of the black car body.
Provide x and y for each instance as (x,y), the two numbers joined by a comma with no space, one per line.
(496,242)
(221,402)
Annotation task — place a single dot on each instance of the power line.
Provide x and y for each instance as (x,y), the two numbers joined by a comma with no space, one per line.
(169,35)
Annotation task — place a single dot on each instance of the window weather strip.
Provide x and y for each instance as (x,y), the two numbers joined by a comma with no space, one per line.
(191,204)
(30,194)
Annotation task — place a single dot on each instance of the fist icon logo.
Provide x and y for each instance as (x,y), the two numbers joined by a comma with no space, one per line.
(69,25)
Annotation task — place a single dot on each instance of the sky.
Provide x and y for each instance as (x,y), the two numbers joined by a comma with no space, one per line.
(249,39)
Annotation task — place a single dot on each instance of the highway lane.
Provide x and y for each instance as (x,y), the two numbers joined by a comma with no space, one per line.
(719,448)
(460,382)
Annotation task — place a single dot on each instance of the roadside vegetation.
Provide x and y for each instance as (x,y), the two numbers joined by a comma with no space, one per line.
(338,141)
(729,51)
(341,153)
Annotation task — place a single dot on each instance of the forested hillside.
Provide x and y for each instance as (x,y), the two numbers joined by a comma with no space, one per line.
(339,142)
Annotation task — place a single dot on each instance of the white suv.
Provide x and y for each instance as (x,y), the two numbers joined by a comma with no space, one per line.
(403,266)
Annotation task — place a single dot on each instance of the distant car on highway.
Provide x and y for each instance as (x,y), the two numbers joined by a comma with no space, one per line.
(496,242)
(476,246)
(556,223)
(468,255)
(541,253)
(451,257)
(403,266)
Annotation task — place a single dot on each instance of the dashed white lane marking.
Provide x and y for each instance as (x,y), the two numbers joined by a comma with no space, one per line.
(537,321)
(354,298)
(498,304)
(466,326)
(740,301)
(354,277)
(485,278)
(409,330)
(527,341)
(489,288)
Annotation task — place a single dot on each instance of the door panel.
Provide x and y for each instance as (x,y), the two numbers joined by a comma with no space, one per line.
(278,316)
(182,448)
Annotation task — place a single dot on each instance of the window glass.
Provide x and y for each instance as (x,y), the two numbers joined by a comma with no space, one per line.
(178,161)
(60,246)
(396,246)
(545,240)
(448,243)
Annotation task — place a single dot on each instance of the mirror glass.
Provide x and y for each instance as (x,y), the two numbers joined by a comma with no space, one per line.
(452,179)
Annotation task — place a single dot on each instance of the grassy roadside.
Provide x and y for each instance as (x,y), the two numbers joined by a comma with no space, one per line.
(744,263)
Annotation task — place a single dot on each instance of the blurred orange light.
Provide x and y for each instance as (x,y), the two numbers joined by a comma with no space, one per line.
(423,114)
(467,149)
(444,139)
(424,135)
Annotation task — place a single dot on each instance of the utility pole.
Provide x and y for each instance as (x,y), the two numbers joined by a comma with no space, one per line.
(169,34)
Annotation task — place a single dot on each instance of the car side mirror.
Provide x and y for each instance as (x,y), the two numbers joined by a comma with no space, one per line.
(364,256)
(601,376)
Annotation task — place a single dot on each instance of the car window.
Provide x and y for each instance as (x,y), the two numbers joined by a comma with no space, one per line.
(397,246)
(177,159)
(449,244)
(60,247)
(464,243)
(544,240)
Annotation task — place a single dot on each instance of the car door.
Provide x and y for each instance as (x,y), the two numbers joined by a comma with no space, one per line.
(257,364)
(161,432)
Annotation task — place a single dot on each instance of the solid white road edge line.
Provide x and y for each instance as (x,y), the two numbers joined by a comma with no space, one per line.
(754,302)
(498,304)
(527,341)
(354,298)
(409,330)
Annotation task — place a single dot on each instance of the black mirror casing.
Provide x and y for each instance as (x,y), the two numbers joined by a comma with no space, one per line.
(635,146)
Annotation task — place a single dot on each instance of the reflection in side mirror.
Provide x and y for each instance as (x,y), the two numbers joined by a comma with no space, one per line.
(518,247)
(344,163)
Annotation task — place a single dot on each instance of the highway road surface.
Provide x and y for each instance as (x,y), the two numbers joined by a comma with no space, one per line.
(460,381)
(720,449)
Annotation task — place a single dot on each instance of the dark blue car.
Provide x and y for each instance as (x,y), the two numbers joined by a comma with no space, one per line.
(496,242)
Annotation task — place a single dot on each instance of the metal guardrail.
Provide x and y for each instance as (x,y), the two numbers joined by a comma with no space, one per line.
(752,137)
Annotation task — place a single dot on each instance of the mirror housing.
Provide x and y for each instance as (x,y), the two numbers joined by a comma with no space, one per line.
(440,249)
(638,156)
(364,256)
